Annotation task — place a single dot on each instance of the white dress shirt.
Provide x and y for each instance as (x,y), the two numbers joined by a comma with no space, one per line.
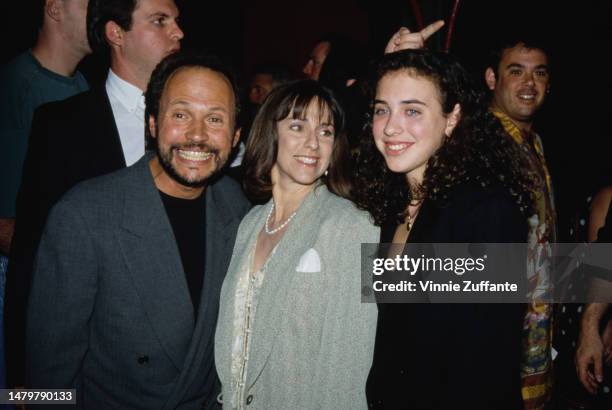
(237,161)
(128,105)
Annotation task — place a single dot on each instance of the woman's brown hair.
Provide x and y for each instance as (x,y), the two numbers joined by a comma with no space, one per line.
(262,145)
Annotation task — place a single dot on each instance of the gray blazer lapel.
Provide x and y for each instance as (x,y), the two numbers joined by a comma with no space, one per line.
(151,254)
(272,302)
(218,253)
(221,226)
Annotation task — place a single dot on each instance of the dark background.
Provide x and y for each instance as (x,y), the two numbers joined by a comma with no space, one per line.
(572,123)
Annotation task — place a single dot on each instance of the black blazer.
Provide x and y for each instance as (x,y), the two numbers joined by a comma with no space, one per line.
(452,356)
(70,141)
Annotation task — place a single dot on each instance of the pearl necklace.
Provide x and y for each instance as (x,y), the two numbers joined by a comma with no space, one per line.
(281,226)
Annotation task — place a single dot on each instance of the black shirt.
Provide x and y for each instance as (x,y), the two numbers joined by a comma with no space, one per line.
(188,219)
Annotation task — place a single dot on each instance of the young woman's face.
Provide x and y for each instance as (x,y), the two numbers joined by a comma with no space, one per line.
(305,148)
(408,122)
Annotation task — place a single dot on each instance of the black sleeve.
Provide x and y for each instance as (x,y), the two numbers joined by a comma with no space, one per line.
(494,219)
(41,187)
(486,349)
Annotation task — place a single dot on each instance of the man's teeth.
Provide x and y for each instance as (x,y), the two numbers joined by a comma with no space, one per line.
(527,97)
(307,160)
(194,155)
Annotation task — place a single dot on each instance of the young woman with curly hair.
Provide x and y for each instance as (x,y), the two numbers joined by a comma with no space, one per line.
(437,167)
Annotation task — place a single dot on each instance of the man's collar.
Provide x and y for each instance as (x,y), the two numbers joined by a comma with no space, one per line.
(130,96)
(509,125)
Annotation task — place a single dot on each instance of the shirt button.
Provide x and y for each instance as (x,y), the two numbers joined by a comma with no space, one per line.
(143,359)
(249,399)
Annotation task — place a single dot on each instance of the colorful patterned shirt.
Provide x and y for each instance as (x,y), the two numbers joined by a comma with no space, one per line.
(536,366)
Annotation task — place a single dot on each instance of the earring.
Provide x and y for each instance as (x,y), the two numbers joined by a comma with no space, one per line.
(326,172)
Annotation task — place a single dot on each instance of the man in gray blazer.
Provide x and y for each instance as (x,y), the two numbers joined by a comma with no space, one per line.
(126,283)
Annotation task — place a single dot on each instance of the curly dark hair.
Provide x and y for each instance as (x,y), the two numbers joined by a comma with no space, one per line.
(479,150)
(262,146)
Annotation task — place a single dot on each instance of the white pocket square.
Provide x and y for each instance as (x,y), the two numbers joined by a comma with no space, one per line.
(309,262)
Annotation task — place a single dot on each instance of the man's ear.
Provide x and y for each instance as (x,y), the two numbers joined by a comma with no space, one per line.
(236,136)
(490,78)
(53,9)
(114,33)
(452,120)
(152,127)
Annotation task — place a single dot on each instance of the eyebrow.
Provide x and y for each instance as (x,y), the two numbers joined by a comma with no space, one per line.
(221,109)
(305,119)
(413,101)
(159,14)
(187,104)
(517,65)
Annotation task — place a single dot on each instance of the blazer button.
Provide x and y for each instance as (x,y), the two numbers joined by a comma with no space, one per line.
(143,359)
(249,399)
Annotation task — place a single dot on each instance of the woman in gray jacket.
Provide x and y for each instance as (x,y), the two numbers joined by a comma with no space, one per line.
(292,331)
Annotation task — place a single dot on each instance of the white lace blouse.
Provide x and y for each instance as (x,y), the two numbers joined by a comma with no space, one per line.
(247,292)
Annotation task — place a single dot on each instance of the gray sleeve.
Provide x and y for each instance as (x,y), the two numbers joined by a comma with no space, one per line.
(61,301)
(350,325)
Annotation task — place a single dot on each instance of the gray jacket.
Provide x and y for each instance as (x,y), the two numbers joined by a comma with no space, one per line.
(313,339)
(110,312)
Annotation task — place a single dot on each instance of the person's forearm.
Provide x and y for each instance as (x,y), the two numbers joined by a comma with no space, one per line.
(7,226)
(591,317)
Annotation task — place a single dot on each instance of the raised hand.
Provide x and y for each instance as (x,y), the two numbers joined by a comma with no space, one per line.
(404,39)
